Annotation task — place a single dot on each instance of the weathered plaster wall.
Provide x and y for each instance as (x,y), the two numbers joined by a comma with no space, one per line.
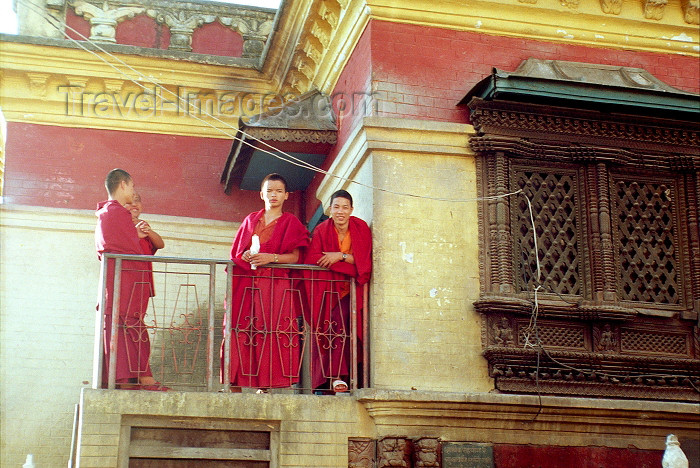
(48,291)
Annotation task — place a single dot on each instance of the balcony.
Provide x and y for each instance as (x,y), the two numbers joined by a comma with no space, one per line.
(285,333)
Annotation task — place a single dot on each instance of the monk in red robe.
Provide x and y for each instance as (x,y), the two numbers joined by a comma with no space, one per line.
(343,244)
(149,240)
(265,332)
(116,233)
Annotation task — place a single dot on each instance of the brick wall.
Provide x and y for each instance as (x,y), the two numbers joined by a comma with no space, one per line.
(422,72)
(309,431)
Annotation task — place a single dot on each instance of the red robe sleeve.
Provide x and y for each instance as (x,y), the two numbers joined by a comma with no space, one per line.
(115,231)
(325,239)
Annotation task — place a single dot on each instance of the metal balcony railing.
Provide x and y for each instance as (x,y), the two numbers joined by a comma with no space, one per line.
(187,328)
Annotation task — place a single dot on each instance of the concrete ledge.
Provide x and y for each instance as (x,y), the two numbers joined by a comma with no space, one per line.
(529,419)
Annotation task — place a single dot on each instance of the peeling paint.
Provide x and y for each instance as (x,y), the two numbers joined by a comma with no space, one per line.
(407,257)
(478,24)
(566,36)
(683,37)
(599,36)
(433,292)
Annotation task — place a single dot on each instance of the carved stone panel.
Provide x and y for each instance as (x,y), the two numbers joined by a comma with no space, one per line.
(394,452)
(362,453)
(426,453)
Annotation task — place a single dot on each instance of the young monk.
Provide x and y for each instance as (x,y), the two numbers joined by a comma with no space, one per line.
(149,240)
(116,233)
(343,244)
(265,348)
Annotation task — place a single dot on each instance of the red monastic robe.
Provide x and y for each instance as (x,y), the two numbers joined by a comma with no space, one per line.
(265,332)
(116,233)
(330,311)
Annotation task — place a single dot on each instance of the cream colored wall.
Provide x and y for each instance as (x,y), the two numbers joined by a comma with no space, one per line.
(48,288)
(425,333)
(312,431)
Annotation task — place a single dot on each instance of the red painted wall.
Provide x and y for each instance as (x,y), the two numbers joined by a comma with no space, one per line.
(351,95)
(216,39)
(143,31)
(422,72)
(537,456)
(78,27)
(427,70)
(176,175)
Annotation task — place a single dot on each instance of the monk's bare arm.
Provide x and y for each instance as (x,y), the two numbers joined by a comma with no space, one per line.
(263,258)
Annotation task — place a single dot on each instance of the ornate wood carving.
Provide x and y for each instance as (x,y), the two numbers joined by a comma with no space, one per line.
(493,246)
(615,208)
(503,236)
(693,212)
(648,270)
(301,136)
(595,261)
(565,134)
(606,250)
(554,198)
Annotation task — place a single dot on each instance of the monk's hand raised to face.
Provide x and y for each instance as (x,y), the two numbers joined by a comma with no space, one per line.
(142,229)
(143,226)
(329,258)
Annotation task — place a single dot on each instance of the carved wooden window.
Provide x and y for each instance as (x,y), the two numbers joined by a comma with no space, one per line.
(646,234)
(554,197)
(616,215)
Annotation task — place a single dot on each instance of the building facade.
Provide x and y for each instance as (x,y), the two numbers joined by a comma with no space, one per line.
(461,130)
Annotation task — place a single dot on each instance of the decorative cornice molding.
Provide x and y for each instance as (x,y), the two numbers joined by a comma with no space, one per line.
(297,136)
(43,87)
(588,23)
(584,136)
(418,412)
(254,24)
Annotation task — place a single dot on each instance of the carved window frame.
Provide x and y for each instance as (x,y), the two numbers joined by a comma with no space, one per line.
(609,340)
